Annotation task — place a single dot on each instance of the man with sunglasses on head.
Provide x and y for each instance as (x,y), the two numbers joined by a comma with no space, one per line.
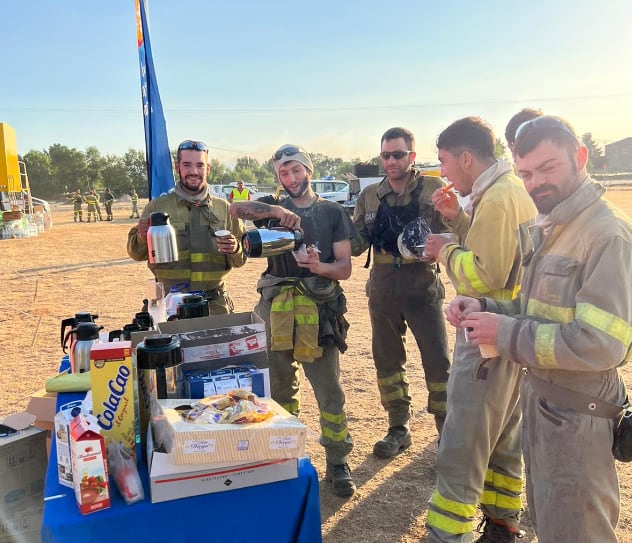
(303,303)
(479,459)
(204,260)
(571,328)
(403,291)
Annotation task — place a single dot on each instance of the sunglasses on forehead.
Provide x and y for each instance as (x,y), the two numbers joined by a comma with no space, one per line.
(544,123)
(287,151)
(193,145)
(395,154)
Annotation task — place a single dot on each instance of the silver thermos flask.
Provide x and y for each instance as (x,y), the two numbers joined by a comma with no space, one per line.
(87,335)
(270,241)
(161,239)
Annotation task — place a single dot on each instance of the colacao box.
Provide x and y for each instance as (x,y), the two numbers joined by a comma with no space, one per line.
(210,343)
(282,436)
(169,481)
(22,472)
(114,399)
(89,466)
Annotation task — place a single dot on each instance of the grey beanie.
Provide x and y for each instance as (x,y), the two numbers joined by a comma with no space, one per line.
(289,152)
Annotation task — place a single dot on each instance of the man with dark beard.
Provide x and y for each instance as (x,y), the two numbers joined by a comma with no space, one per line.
(204,259)
(571,328)
(303,304)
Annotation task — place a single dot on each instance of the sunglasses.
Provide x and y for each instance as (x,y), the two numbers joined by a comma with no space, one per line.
(194,145)
(544,123)
(287,151)
(395,154)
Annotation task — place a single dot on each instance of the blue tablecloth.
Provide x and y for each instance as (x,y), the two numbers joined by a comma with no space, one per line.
(285,511)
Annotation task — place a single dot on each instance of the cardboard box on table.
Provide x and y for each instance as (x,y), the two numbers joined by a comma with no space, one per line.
(210,343)
(282,436)
(44,406)
(23,465)
(168,481)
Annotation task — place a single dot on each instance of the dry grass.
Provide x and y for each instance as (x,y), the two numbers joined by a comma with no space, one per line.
(84,267)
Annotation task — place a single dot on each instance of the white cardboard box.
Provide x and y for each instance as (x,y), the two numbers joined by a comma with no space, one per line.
(168,481)
(210,343)
(282,436)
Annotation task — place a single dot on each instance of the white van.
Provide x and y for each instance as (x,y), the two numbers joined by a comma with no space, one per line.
(331,189)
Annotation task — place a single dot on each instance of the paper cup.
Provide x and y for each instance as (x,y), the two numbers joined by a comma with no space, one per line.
(222,233)
(488,350)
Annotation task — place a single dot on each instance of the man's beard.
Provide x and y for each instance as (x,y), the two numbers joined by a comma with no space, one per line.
(193,190)
(301,190)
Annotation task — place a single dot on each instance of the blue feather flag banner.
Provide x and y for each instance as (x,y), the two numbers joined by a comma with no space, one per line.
(159,168)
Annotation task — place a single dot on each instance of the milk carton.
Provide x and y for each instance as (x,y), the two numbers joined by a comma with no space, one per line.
(89,466)
(114,398)
(62,433)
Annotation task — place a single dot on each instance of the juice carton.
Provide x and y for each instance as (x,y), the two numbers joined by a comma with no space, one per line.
(114,397)
(89,466)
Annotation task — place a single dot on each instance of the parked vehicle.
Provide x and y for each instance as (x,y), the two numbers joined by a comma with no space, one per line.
(331,189)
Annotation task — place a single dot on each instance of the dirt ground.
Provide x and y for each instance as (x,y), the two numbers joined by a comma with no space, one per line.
(84,267)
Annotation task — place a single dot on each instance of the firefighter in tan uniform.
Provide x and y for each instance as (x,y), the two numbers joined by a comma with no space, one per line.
(403,291)
(572,331)
(479,457)
(204,260)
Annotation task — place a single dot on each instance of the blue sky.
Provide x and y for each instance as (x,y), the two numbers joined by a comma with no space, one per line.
(248,76)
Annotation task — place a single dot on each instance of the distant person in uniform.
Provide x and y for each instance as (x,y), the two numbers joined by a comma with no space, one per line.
(134,198)
(239,193)
(77,200)
(108,200)
(92,200)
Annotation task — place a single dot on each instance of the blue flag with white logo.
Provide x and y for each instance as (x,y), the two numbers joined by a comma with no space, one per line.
(159,168)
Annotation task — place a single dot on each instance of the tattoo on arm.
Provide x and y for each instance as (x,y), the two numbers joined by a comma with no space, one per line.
(254,211)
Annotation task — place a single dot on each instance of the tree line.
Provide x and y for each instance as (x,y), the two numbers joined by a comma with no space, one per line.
(61,170)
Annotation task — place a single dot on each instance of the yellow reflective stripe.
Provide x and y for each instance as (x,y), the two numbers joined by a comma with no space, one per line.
(449,525)
(172,274)
(502,501)
(437,406)
(564,315)
(545,346)
(331,417)
(335,436)
(465,261)
(200,276)
(503,293)
(465,510)
(605,322)
(503,481)
(302,300)
(205,257)
(281,306)
(394,379)
(292,407)
(436,387)
(395,395)
(299,318)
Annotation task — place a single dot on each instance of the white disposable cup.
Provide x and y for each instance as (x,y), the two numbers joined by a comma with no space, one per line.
(488,350)
(222,233)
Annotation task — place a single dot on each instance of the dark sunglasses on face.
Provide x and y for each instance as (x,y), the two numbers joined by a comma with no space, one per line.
(544,123)
(395,154)
(287,151)
(194,145)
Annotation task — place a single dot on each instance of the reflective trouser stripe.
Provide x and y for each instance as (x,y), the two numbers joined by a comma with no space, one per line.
(503,482)
(393,387)
(293,407)
(334,426)
(442,512)
(502,501)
